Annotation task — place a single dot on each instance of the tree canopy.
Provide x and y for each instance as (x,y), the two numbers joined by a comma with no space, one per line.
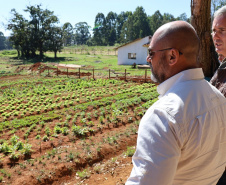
(40,33)
(36,34)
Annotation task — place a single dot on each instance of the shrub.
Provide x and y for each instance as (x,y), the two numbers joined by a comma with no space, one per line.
(83,174)
(57,129)
(77,130)
(14,155)
(5,148)
(14,139)
(65,130)
(45,138)
(19,145)
(38,137)
(27,149)
(130,151)
(47,131)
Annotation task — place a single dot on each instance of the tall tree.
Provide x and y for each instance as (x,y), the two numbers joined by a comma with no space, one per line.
(167,18)
(19,37)
(201,20)
(41,22)
(183,17)
(8,43)
(128,30)
(136,26)
(68,34)
(121,19)
(141,24)
(2,41)
(82,33)
(99,30)
(29,36)
(110,34)
(55,41)
(216,4)
(155,21)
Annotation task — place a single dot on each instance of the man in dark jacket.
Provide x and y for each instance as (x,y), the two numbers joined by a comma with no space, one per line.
(219,39)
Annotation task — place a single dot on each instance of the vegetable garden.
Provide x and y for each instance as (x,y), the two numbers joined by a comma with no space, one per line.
(55,127)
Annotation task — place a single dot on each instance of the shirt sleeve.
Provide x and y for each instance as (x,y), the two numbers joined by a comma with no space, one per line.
(158,150)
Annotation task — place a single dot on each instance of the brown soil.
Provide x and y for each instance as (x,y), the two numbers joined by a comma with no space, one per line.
(114,166)
(112,173)
(105,165)
(40,67)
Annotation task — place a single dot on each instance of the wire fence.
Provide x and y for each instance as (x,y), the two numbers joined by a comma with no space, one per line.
(90,51)
(89,73)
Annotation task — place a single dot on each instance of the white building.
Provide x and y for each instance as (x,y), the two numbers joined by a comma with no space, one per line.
(134,52)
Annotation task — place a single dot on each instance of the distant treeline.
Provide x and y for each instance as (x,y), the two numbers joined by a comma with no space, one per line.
(42,34)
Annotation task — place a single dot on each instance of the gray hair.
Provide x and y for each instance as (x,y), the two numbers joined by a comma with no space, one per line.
(220,11)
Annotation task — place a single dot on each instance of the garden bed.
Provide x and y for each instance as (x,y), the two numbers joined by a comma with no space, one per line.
(56,130)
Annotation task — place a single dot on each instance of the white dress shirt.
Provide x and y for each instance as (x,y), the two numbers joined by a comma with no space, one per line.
(182,137)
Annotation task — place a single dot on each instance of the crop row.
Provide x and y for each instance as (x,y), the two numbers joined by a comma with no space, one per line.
(72,94)
(106,106)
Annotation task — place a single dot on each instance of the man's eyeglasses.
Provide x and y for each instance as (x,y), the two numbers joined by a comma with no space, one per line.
(151,53)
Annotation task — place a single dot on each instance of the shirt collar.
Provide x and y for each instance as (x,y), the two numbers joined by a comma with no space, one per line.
(190,74)
(223,64)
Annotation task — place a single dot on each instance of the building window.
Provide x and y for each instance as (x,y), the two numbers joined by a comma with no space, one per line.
(132,55)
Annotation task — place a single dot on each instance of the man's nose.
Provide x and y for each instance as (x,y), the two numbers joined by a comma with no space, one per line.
(148,58)
(215,35)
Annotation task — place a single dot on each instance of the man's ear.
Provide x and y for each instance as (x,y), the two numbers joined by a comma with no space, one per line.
(174,56)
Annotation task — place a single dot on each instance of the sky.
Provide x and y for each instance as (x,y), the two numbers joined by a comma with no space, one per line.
(75,11)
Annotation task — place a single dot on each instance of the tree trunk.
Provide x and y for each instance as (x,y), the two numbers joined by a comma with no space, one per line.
(18,52)
(201,21)
(41,49)
(33,53)
(55,54)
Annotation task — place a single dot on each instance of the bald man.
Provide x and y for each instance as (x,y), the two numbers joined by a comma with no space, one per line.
(182,137)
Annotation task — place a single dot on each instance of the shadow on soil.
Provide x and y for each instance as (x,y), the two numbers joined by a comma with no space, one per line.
(33,60)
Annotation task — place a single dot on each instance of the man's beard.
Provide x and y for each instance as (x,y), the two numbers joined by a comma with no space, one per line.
(159,77)
(153,78)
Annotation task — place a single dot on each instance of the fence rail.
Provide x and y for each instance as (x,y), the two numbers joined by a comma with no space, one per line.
(79,72)
(90,51)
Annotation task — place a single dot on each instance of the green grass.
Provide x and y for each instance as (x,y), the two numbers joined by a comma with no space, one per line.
(99,58)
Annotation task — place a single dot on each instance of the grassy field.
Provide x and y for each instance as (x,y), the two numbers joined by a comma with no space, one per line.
(99,58)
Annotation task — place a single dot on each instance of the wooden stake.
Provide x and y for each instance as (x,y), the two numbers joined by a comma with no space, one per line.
(79,73)
(93,74)
(109,73)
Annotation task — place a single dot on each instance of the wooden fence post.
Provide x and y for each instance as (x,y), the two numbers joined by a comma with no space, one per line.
(79,73)
(93,74)
(109,73)
(125,74)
